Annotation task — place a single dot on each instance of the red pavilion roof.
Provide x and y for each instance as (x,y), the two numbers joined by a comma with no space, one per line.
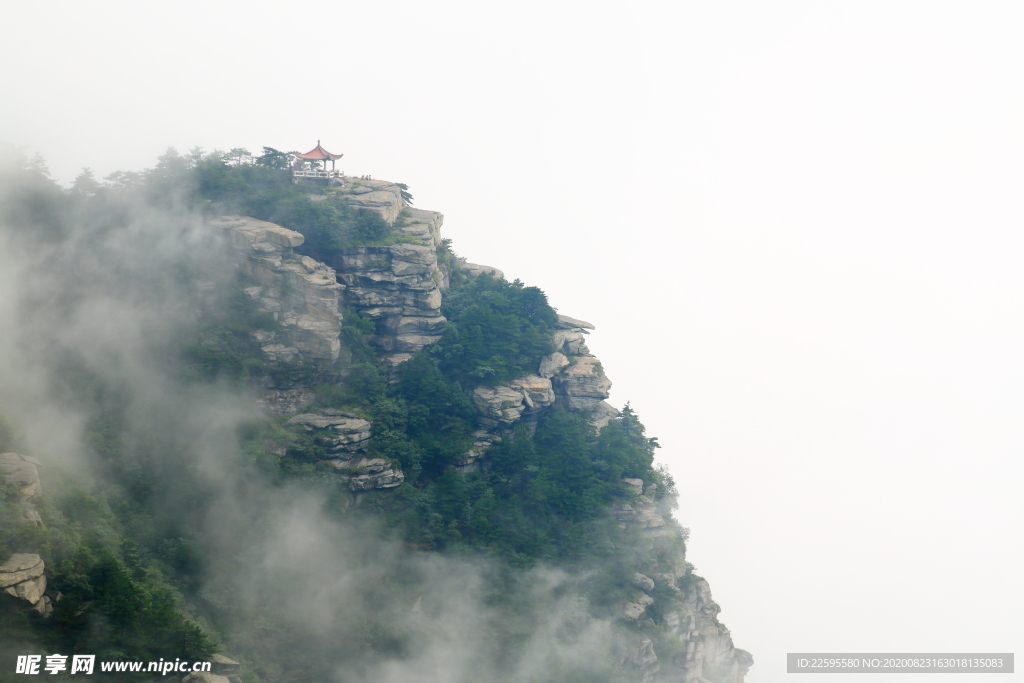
(318,153)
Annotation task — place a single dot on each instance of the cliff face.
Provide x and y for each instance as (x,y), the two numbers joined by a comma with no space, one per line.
(23,575)
(299,294)
(400,288)
(676,603)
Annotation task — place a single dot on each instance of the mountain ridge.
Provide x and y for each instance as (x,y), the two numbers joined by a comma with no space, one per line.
(413,392)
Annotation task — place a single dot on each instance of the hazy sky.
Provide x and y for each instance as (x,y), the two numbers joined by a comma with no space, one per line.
(796,225)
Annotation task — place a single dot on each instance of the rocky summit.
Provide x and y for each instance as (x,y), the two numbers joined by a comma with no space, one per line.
(302,439)
(400,288)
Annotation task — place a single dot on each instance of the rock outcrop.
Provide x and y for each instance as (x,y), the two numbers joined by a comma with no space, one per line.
(22,576)
(398,287)
(504,405)
(300,293)
(569,374)
(222,670)
(364,474)
(21,472)
(345,437)
(476,270)
(285,401)
(376,195)
(340,433)
(685,609)
(642,660)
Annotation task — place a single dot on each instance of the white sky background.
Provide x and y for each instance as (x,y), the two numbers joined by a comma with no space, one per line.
(797,226)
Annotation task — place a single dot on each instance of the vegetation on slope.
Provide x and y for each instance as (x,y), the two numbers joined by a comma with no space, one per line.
(131,552)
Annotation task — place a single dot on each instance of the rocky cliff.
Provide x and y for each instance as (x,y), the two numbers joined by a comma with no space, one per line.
(399,287)
(23,575)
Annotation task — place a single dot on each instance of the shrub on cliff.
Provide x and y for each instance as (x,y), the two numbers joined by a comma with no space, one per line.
(497,330)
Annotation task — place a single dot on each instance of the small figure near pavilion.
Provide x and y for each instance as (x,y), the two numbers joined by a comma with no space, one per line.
(313,164)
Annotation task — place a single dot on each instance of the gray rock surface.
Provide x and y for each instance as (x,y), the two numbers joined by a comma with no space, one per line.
(381,196)
(340,433)
(537,391)
(22,576)
(20,567)
(23,473)
(300,293)
(583,384)
(399,288)
(633,610)
(551,365)
(642,659)
(364,474)
(476,270)
(706,653)
(567,323)
(571,342)
(710,654)
(643,582)
(603,414)
(285,401)
(223,666)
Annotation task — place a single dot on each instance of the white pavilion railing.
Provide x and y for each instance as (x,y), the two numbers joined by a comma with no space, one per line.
(317,174)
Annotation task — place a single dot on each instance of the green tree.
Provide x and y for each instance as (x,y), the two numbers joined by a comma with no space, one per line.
(238,155)
(272,158)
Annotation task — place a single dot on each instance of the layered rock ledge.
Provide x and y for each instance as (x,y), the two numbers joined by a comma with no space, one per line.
(22,576)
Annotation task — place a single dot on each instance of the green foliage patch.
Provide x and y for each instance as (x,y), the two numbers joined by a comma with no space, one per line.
(497,330)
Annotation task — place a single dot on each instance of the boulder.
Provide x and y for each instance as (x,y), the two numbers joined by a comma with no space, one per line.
(603,413)
(20,567)
(537,391)
(551,365)
(245,232)
(585,380)
(365,474)
(223,666)
(643,582)
(31,590)
(345,432)
(571,342)
(22,577)
(283,237)
(633,610)
(567,323)
(500,404)
(476,270)
(21,471)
